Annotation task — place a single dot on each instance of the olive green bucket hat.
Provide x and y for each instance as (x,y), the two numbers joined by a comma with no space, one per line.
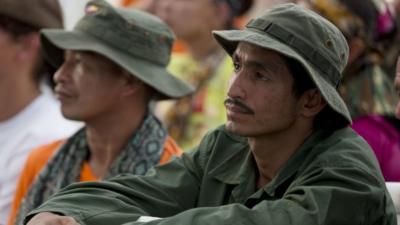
(303,35)
(137,41)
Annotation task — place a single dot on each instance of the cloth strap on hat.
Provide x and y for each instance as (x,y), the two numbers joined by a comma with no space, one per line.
(303,48)
(118,39)
(110,27)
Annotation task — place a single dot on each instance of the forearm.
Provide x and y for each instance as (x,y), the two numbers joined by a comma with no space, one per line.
(164,191)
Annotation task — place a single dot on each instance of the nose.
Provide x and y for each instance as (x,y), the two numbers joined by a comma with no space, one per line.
(237,86)
(62,74)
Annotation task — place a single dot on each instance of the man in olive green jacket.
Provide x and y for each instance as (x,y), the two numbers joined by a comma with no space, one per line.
(285,156)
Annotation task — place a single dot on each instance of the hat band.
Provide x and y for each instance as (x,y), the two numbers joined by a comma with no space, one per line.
(302,47)
(137,43)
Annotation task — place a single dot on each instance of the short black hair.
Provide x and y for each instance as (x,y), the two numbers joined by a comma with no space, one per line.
(301,79)
(327,119)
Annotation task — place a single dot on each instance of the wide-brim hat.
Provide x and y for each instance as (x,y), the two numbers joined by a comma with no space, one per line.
(38,13)
(303,35)
(136,41)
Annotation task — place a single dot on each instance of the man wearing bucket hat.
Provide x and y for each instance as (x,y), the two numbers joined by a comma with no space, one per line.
(114,65)
(276,161)
(29,114)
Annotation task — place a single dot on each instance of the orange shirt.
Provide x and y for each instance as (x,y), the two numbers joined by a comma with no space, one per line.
(128,2)
(39,157)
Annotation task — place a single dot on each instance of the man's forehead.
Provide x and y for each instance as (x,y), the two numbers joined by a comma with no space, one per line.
(80,53)
(256,53)
(72,52)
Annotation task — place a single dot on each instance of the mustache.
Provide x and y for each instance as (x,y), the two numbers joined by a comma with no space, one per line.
(237,102)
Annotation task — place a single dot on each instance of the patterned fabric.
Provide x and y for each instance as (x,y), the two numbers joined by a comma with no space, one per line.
(350,24)
(142,152)
(190,118)
(366,88)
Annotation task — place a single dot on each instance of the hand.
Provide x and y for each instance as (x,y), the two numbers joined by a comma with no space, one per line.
(51,219)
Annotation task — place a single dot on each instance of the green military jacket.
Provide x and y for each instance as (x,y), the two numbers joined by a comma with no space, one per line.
(333,178)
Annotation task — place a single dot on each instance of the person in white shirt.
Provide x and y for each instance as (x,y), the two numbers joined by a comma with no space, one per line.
(29,114)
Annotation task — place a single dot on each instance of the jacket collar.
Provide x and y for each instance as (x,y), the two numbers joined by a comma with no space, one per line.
(235,168)
(240,166)
(292,166)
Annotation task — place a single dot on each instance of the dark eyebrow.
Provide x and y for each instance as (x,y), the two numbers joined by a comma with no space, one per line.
(254,63)
(235,57)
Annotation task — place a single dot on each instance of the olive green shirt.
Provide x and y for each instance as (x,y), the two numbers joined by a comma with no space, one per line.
(331,179)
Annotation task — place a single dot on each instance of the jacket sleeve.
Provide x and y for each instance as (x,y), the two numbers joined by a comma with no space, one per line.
(164,191)
(327,196)
(325,193)
(334,196)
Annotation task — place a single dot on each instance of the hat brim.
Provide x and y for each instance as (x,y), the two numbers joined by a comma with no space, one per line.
(54,43)
(229,40)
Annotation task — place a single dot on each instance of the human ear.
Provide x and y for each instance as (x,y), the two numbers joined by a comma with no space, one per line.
(312,102)
(29,46)
(131,84)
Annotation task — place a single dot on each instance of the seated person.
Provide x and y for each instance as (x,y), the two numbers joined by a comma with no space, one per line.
(383,135)
(106,80)
(285,156)
(29,114)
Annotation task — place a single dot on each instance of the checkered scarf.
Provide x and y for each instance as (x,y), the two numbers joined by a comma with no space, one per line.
(142,152)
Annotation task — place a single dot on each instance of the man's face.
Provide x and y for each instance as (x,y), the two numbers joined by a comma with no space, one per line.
(263,84)
(397,86)
(189,18)
(88,85)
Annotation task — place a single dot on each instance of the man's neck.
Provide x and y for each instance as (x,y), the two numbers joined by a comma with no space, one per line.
(107,136)
(272,152)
